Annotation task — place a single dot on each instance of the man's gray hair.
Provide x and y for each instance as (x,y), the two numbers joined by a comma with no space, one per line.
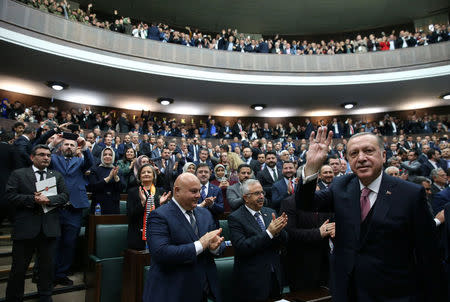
(435,172)
(391,168)
(248,183)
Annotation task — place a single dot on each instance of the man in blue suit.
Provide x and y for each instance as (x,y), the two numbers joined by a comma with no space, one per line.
(210,195)
(183,240)
(385,246)
(256,235)
(72,168)
(285,186)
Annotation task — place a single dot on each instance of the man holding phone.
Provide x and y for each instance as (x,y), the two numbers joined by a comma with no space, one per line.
(72,168)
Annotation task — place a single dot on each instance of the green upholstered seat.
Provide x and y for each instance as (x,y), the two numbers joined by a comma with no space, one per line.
(225,275)
(123,207)
(111,240)
(225,230)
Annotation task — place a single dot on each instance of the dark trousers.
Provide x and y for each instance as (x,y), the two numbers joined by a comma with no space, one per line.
(70,220)
(21,256)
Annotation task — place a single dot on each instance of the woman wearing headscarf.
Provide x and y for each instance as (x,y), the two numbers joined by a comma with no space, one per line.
(221,180)
(126,166)
(142,199)
(189,167)
(106,184)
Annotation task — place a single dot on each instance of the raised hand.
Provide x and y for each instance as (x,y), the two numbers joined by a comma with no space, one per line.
(318,150)
(166,196)
(142,196)
(206,239)
(277,224)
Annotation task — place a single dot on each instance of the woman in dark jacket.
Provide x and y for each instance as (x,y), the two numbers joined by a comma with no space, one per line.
(142,199)
(106,184)
(126,166)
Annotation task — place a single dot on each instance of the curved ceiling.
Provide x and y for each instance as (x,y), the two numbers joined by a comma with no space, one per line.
(268,17)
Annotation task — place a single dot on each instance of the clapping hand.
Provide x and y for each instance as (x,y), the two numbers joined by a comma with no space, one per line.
(317,151)
(208,201)
(212,239)
(327,229)
(277,224)
(41,198)
(166,196)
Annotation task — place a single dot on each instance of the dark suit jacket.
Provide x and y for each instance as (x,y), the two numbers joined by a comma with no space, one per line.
(255,254)
(73,174)
(307,252)
(135,214)
(266,180)
(279,192)
(440,200)
(23,147)
(28,215)
(176,272)
(167,178)
(217,207)
(8,158)
(397,258)
(426,168)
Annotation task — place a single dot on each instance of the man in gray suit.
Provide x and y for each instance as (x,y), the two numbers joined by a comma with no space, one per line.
(234,192)
(34,227)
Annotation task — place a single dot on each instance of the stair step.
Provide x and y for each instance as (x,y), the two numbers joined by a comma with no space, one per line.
(60,293)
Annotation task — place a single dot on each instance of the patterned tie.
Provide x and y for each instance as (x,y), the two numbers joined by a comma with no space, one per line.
(259,221)
(193,222)
(290,187)
(203,193)
(365,203)
(275,175)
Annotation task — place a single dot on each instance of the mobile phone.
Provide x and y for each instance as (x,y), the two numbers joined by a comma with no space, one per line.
(71,136)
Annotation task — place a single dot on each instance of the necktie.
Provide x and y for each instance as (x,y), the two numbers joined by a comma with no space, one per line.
(365,203)
(193,222)
(41,173)
(203,193)
(259,221)
(290,187)
(275,176)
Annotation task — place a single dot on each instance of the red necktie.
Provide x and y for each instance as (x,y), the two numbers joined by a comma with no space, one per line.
(365,203)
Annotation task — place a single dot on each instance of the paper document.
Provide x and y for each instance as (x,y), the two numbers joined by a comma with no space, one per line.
(48,188)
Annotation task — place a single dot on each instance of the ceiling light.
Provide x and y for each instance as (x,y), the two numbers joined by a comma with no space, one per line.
(446,96)
(58,86)
(258,107)
(348,105)
(165,101)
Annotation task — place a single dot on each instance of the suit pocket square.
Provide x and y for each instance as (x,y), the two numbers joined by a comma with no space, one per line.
(388,193)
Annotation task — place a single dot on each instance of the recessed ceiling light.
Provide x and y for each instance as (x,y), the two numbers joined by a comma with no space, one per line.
(446,96)
(258,107)
(56,85)
(348,105)
(165,101)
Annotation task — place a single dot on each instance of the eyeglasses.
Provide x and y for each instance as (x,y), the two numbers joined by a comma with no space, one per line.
(44,154)
(257,193)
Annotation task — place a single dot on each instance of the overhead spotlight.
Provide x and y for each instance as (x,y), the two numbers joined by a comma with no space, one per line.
(348,105)
(258,107)
(165,101)
(56,85)
(446,96)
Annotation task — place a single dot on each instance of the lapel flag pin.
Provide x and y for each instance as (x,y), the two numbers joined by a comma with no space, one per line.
(388,192)
(265,214)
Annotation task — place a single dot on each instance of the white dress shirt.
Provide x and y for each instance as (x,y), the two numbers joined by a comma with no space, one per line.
(253,212)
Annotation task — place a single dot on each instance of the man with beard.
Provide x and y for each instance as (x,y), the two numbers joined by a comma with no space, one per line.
(269,175)
(326,177)
(72,166)
(234,192)
(285,186)
(256,235)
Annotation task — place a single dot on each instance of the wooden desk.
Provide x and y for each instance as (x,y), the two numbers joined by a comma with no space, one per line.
(133,275)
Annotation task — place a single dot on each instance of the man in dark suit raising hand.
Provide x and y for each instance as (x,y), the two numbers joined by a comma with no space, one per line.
(385,245)
(34,227)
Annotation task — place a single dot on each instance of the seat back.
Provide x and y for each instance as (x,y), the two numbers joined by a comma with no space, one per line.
(123,207)
(111,240)
(225,274)
(225,229)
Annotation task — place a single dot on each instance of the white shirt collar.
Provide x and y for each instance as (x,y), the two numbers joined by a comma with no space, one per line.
(26,137)
(36,169)
(180,207)
(374,186)
(253,212)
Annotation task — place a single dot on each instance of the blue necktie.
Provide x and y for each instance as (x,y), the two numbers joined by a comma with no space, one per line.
(203,193)
(193,222)
(259,221)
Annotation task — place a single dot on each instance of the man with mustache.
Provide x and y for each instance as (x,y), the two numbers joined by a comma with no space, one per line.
(385,244)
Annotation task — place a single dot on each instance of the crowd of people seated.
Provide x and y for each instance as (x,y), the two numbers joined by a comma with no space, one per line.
(153,154)
(231,40)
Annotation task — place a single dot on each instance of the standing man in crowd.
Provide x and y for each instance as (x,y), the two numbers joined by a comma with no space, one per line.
(270,174)
(386,246)
(234,192)
(210,195)
(256,235)
(72,167)
(34,229)
(182,239)
(285,186)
